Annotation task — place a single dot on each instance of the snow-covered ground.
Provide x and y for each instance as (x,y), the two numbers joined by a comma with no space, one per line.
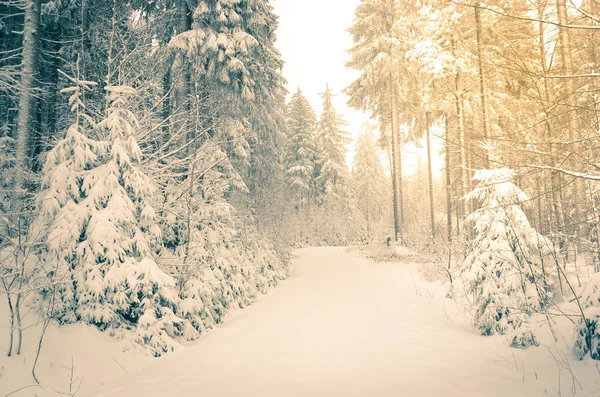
(341,325)
(96,359)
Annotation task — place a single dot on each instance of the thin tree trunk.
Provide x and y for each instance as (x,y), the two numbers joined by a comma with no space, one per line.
(540,219)
(19,323)
(184,85)
(189,210)
(301,216)
(448,184)
(368,224)
(593,43)
(166,105)
(463,145)
(457,211)
(571,112)
(21,278)
(430,172)
(396,164)
(12,321)
(53,88)
(556,179)
(482,82)
(400,185)
(110,61)
(29,67)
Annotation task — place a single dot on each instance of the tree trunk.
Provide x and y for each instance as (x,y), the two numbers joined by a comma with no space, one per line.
(50,112)
(12,320)
(430,172)
(368,224)
(396,165)
(184,85)
(29,67)
(463,146)
(571,113)
(540,219)
(556,179)
(19,323)
(166,105)
(448,185)
(482,83)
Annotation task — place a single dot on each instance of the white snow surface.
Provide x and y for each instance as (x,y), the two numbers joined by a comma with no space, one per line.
(341,325)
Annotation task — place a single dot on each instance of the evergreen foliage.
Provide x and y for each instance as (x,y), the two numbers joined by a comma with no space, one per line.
(300,150)
(505,270)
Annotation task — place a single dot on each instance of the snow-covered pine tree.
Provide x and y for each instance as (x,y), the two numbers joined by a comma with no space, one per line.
(369,180)
(331,140)
(117,255)
(234,97)
(215,266)
(229,49)
(332,215)
(62,214)
(377,53)
(225,270)
(199,238)
(95,207)
(505,271)
(265,176)
(300,150)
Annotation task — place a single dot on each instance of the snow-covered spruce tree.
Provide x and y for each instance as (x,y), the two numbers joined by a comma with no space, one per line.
(228,53)
(199,237)
(369,182)
(230,89)
(61,213)
(121,233)
(378,54)
(206,244)
(300,155)
(504,272)
(225,49)
(224,271)
(334,220)
(587,336)
(100,229)
(332,171)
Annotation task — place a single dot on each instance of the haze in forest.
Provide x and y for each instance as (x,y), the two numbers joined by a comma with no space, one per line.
(317,55)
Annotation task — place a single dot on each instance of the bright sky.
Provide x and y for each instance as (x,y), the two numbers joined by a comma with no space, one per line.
(312,39)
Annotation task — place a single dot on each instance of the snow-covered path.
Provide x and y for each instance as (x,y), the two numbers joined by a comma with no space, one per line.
(340,326)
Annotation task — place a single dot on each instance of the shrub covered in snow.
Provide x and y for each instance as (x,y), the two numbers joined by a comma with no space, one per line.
(505,273)
(102,236)
(217,268)
(99,221)
(587,338)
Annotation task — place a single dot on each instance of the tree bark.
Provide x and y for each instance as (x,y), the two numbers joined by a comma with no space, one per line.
(571,113)
(556,179)
(368,223)
(448,185)
(29,67)
(184,86)
(396,164)
(166,105)
(482,82)
(463,146)
(430,172)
